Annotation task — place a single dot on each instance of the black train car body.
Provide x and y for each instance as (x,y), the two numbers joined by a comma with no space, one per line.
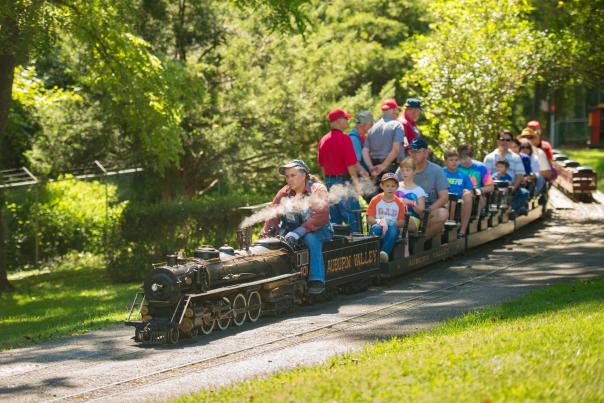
(216,288)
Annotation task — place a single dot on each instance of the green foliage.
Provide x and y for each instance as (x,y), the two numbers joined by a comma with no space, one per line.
(58,217)
(576,27)
(470,67)
(546,346)
(68,296)
(147,232)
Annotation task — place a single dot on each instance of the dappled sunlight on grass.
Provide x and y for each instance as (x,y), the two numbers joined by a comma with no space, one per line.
(70,296)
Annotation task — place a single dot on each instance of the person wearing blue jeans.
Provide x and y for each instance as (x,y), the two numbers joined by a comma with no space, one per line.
(386,214)
(343,211)
(314,241)
(305,219)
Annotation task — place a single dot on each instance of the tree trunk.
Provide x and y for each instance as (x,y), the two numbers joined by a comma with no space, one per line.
(7,74)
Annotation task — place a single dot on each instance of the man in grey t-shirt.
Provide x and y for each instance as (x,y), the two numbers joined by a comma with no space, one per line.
(384,141)
(432,179)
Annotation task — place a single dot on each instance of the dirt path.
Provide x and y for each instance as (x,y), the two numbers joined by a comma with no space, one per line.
(107,365)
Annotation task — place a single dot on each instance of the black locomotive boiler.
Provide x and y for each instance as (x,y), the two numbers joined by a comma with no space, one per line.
(217,288)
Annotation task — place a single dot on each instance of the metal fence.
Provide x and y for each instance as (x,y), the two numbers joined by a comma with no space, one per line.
(572,131)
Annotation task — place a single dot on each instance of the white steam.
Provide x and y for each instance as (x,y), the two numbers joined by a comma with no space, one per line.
(314,201)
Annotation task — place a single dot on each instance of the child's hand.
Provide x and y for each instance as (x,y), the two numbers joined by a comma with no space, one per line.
(384,226)
(408,202)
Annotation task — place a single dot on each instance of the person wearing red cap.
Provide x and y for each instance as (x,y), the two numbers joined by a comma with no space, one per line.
(384,141)
(340,166)
(538,142)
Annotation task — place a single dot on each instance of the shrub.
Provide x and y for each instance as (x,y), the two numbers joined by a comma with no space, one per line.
(147,232)
(58,217)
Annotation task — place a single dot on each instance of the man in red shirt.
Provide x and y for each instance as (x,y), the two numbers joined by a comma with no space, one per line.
(542,144)
(339,162)
(408,119)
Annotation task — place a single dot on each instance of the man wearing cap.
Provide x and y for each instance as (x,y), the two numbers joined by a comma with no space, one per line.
(304,204)
(409,117)
(431,178)
(340,165)
(542,144)
(384,141)
(358,134)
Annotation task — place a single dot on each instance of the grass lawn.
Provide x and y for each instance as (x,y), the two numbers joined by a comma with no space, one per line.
(591,157)
(546,346)
(69,297)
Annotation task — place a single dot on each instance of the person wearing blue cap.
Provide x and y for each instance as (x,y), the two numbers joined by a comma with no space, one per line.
(409,117)
(431,178)
(306,217)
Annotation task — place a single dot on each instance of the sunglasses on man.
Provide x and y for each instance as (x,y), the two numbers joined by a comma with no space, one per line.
(505,139)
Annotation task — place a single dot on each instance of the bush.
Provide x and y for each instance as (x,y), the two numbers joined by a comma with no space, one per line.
(147,232)
(58,217)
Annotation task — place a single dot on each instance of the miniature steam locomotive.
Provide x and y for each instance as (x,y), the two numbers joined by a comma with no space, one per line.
(187,295)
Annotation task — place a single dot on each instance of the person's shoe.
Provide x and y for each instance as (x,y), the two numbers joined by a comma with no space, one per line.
(384,257)
(461,236)
(316,287)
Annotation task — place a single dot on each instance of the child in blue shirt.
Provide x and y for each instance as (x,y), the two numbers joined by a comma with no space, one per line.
(501,174)
(461,185)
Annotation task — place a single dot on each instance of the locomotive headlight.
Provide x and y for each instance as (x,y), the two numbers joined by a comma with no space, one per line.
(188,280)
(156,287)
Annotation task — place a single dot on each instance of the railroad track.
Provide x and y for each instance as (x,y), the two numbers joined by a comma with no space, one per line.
(321,332)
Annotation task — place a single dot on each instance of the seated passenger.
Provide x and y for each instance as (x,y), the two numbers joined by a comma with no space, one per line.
(478,173)
(413,196)
(501,173)
(461,185)
(432,179)
(544,171)
(516,169)
(305,216)
(386,214)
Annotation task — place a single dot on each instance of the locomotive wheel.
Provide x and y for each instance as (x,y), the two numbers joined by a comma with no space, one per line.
(226,321)
(239,310)
(173,335)
(254,306)
(207,327)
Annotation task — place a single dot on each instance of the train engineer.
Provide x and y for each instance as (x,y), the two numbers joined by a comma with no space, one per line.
(306,217)
(340,165)
(386,214)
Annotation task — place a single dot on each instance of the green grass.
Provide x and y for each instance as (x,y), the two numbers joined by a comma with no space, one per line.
(546,346)
(591,157)
(70,296)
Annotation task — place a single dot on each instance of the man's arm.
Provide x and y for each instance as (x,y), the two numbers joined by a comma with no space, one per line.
(443,198)
(396,149)
(352,171)
(367,158)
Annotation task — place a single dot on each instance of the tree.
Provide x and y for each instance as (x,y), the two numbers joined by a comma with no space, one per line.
(470,67)
(139,95)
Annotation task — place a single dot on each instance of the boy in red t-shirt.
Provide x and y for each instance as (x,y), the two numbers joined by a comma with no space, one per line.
(385,214)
